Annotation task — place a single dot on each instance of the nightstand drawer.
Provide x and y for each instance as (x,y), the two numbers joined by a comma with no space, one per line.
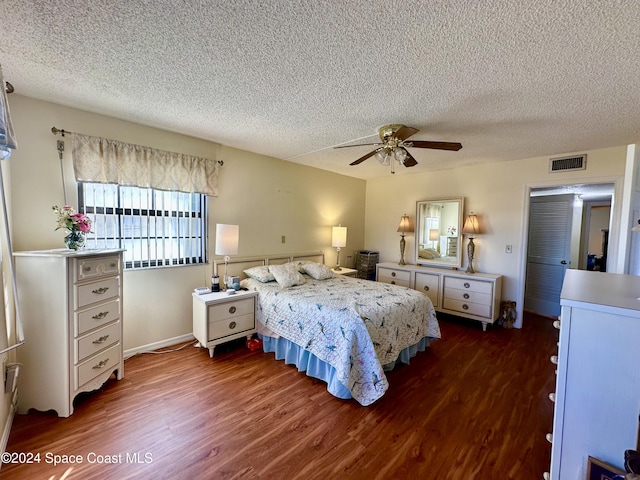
(230,310)
(96,341)
(97,291)
(229,326)
(468,308)
(97,316)
(468,285)
(395,277)
(95,267)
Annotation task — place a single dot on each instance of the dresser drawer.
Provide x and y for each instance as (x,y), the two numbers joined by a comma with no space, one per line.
(96,317)
(468,284)
(95,267)
(97,365)
(395,277)
(96,341)
(467,308)
(229,326)
(231,310)
(468,296)
(428,283)
(96,291)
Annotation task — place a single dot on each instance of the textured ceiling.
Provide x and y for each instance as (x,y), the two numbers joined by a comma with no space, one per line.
(291,79)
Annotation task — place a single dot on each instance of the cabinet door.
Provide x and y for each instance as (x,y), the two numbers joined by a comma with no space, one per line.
(429,283)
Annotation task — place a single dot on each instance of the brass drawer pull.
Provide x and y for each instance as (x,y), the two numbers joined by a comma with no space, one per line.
(100,365)
(100,291)
(87,269)
(467,285)
(465,306)
(426,288)
(466,296)
(393,282)
(393,274)
(100,315)
(100,340)
(232,309)
(232,325)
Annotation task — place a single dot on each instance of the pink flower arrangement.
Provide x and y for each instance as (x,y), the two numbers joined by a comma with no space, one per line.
(71,220)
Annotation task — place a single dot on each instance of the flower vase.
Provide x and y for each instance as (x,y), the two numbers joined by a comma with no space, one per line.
(74,240)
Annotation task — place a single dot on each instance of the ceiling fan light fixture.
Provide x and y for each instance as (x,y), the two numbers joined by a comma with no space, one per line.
(400,154)
(384,157)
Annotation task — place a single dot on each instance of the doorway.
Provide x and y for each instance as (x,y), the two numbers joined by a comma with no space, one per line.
(568,228)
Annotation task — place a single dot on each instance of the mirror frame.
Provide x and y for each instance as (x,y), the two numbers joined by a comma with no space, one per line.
(436,262)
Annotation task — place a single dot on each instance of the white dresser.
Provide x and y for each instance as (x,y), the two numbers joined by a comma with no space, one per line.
(597,397)
(475,296)
(71,306)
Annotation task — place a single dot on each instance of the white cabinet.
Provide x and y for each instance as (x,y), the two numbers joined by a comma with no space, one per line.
(71,306)
(470,295)
(219,317)
(597,397)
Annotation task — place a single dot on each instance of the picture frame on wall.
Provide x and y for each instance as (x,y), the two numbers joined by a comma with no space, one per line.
(599,470)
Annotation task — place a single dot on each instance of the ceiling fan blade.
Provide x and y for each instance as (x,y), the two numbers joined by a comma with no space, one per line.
(410,161)
(363,158)
(405,132)
(358,145)
(436,145)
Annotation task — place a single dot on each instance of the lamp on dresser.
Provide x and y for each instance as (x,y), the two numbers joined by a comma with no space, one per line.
(471,228)
(404,227)
(338,240)
(227,239)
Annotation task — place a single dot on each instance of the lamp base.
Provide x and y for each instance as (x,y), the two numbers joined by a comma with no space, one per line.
(403,243)
(471,247)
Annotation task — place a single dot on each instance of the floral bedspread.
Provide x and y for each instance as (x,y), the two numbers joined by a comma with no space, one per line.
(356,326)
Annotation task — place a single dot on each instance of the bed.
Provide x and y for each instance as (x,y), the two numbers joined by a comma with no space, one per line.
(342,330)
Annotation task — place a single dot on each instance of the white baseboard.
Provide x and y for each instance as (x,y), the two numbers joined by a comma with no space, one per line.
(169,342)
(7,424)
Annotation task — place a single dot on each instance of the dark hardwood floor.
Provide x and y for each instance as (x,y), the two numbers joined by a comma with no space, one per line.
(473,406)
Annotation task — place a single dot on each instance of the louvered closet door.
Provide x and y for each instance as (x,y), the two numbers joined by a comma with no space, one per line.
(549,252)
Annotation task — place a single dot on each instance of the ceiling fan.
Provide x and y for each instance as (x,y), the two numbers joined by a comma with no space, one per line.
(394,146)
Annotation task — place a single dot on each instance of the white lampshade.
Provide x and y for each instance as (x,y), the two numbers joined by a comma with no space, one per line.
(339,236)
(405,224)
(471,225)
(434,233)
(227,239)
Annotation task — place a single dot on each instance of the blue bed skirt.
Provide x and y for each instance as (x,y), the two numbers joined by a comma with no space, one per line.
(316,368)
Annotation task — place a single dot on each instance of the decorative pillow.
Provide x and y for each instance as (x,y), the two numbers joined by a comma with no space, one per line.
(287,275)
(428,253)
(299,264)
(317,271)
(260,273)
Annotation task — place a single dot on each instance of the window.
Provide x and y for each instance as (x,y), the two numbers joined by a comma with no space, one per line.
(155,227)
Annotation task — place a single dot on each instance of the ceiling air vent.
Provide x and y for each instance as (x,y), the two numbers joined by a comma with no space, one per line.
(578,162)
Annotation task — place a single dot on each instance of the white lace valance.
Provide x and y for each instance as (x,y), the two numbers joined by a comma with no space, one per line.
(102,160)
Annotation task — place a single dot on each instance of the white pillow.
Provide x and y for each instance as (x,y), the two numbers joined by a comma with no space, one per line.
(317,271)
(287,275)
(260,273)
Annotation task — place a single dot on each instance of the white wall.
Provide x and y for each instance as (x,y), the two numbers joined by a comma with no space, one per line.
(266,197)
(496,192)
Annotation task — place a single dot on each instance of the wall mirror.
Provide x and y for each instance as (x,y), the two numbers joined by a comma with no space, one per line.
(438,232)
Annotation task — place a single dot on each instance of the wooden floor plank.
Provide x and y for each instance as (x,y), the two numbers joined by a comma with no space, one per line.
(473,406)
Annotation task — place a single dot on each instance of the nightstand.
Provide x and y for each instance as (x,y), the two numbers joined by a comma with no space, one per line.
(347,272)
(219,317)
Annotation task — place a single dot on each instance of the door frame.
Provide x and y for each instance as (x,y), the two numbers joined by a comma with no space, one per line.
(614,233)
